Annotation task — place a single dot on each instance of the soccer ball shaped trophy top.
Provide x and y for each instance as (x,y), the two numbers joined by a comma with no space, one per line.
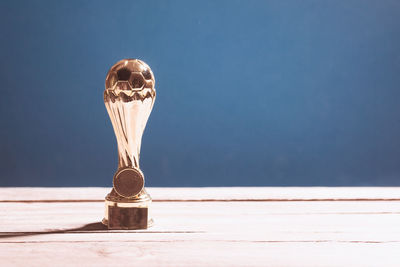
(129,97)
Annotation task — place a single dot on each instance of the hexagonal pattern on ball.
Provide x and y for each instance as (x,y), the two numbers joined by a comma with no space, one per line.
(130,74)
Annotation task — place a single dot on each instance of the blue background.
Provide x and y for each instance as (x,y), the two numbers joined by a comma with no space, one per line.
(248,92)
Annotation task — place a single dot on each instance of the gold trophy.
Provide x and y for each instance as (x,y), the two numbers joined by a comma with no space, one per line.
(129,97)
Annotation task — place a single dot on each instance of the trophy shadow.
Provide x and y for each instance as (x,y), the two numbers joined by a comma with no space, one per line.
(87,228)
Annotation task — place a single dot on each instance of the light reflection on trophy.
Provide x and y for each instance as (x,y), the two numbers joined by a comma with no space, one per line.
(129,97)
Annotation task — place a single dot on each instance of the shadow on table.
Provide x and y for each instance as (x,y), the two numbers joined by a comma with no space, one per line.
(91,227)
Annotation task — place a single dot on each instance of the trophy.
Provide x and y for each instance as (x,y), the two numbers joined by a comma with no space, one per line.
(129,97)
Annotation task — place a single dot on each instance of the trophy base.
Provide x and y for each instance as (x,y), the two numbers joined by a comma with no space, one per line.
(127,214)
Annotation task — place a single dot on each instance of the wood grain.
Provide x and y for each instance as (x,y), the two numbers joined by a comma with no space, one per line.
(207,193)
(225,227)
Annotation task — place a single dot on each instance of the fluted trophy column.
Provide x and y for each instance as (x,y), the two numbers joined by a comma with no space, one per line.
(129,97)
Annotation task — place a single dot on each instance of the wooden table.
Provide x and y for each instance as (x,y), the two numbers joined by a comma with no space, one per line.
(205,227)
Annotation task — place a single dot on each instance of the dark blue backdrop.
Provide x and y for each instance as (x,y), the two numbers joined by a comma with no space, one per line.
(249,92)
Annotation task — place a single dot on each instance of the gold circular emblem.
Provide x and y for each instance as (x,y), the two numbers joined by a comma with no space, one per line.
(128,182)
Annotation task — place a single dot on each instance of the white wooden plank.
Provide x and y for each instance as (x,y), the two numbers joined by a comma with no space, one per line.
(183,253)
(207,193)
(211,233)
(239,221)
